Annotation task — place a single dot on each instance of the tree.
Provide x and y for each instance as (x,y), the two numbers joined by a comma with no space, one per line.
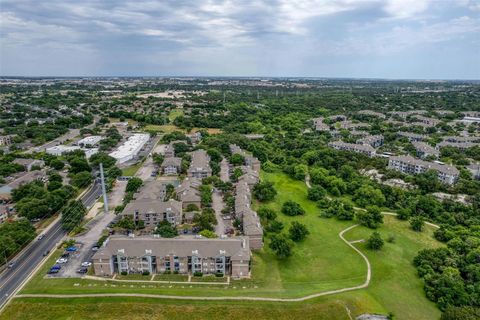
(417,223)
(78,164)
(316,193)
(134,184)
(368,195)
(72,215)
(264,191)
(298,231)
(57,164)
(300,171)
(102,157)
(274,226)
(291,208)
(461,313)
(237,159)
(375,242)
(126,223)
(208,234)
(166,230)
(81,179)
(371,218)
(267,213)
(281,245)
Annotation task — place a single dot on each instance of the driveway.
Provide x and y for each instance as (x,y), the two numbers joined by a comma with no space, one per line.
(218,205)
(224,168)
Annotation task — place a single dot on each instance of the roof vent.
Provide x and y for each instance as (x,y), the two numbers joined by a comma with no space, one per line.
(194,251)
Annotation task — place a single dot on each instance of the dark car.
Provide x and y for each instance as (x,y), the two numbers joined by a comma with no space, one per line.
(53,270)
(46,253)
(82,270)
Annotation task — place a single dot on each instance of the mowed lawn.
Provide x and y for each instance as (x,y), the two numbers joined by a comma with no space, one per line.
(322,262)
(395,283)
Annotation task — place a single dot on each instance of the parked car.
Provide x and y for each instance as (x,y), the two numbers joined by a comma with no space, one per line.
(86,264)
(51,271)
(82,270)
(95,248)
(62,260)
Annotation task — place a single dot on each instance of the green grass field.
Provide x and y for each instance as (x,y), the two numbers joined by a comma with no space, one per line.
(174,114)
(322,262)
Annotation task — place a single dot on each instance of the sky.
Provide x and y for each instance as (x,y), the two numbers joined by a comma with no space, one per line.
(397,39)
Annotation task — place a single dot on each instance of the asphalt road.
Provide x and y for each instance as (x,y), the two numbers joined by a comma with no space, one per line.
(27,260)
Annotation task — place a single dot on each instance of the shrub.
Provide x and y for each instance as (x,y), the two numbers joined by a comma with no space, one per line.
(145,273)
(291,208)
(371,218)
(281,245)
(264,191)
(416,223)
(124,273)
(219,275)
(375,242)
(198,274)
(274,226)
(316,193)
(298,231)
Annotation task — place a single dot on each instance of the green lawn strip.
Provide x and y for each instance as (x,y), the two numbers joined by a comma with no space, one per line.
(133,277)
(209,279)
(171,277)
(130,171)
(147,308)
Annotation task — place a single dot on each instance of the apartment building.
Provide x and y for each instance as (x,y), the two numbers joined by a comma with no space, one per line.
(6,140)
(200,165)
(152,190)
(250,161)
(182,255)
(412,136)
(375,141)
(372,114)
(171,166)
(424,150)
(152,212)
(251,225)
(409,165)
(459,145)
(426,122)
(358,148)
(188,192)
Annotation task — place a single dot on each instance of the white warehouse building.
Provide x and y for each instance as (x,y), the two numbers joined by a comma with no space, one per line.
(90,141)
(62,149)
(130,148)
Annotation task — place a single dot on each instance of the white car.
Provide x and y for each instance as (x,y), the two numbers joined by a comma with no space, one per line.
(86,264)
(40,237)
(62,260)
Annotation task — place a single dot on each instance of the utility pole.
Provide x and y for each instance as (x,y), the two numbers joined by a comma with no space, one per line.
(104,191)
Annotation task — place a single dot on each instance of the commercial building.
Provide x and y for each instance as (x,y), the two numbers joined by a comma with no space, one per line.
(358,148)
(89,142)
(130,148)
(62,149)
(200,165)
(184,256)
(409,165)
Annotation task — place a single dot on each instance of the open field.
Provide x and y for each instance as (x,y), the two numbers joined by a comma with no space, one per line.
(174,114)
(322,262)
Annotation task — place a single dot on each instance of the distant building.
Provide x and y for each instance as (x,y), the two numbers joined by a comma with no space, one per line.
(375,141)
(188,192)
(130,148)
(200,165)
(62,149)
(89,142)
(29,163)
(427,122)
(250,161)
(136,255)
(424,150)
(412,136)
(474,170)
(459,145)
(409,165)
(6,140)
(372,114)
(358,148)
